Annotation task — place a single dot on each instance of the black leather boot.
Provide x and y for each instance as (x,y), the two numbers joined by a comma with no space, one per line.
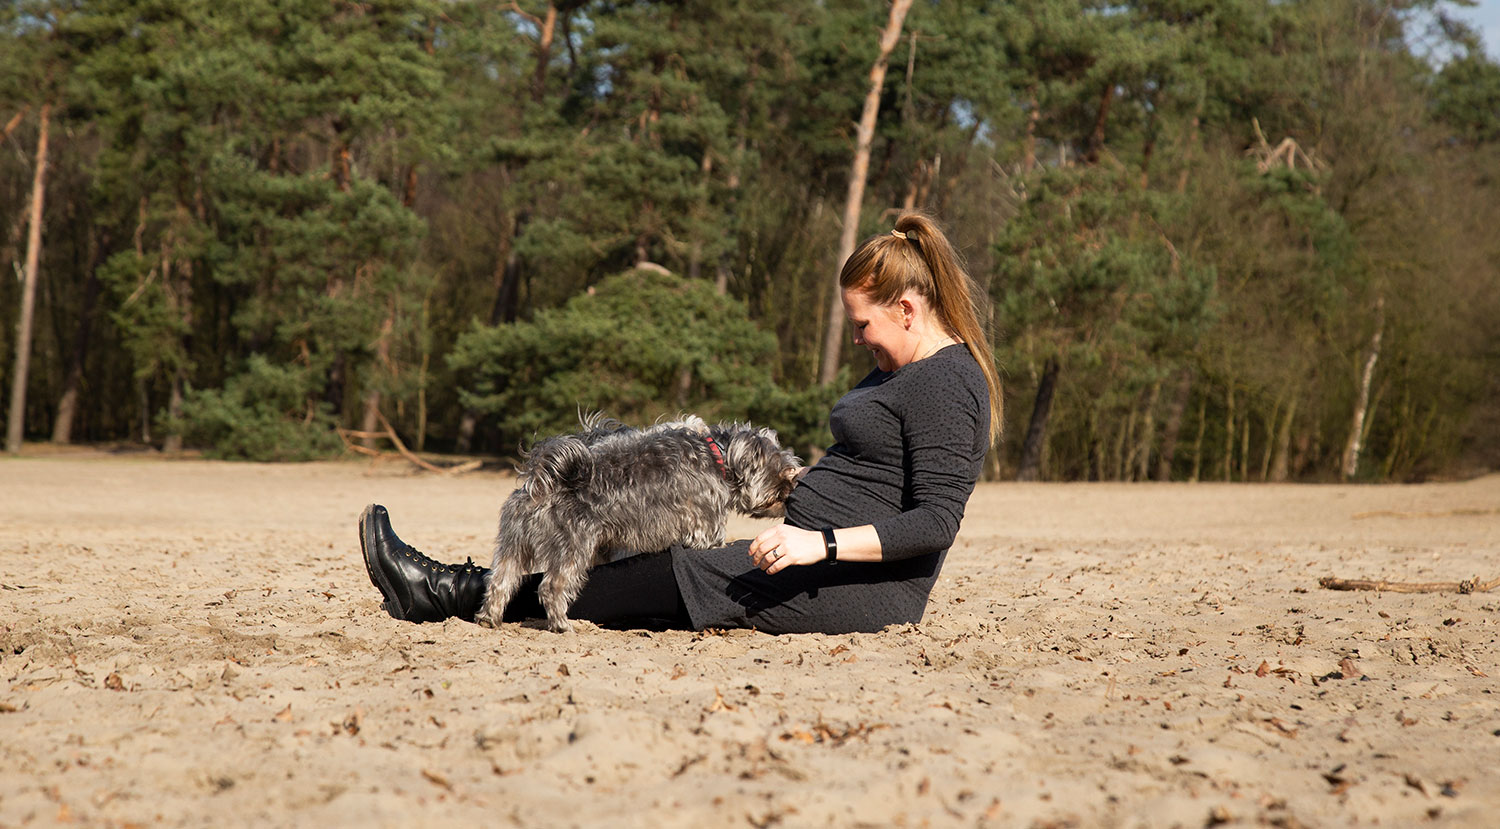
(416,588)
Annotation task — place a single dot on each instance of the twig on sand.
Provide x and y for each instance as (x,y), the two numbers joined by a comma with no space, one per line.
(1473,585)
(1447,513)
(390,434)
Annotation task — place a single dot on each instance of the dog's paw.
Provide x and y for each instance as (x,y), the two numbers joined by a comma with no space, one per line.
(487,620)
(560,625)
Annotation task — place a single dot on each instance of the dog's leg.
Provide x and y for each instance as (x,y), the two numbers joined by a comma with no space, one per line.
(505,579)
(555,599)
(512,559)
(567,570)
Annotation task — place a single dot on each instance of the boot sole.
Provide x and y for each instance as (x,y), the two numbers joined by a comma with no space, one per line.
(377,578)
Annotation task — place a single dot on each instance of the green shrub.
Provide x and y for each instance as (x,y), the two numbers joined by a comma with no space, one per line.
(637,346)
(261,414)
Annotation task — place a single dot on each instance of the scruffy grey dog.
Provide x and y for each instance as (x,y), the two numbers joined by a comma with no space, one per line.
(611,487)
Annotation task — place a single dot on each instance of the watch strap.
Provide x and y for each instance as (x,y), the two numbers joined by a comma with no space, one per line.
(830,546)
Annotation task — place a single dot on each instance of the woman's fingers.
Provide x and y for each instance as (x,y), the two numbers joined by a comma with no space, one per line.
(767,548)
(781,547)
(769,539)
(778,563)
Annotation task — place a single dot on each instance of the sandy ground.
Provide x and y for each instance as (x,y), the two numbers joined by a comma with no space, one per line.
(196,643)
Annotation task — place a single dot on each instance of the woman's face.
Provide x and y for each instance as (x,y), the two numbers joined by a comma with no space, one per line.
(883,329)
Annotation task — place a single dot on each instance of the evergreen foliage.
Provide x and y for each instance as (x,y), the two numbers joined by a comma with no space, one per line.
(639,346)
(260,415)
(269,218)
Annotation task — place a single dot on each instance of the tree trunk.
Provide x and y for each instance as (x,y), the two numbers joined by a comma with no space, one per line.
(1229,433)
(181,300)
(1096,139)
(143,399)
(464,442)
(370,421)
(695,249)
(67,404)
(1245,448)
(343,162)
(1283,443)
(1304,451)
(422,372)
(1142,451)
(912,185)
(333,393)
(834,338)
(1036,432)
(409,189)
(15,425)
(1119,468)
(173,441)
(1265,458)
(1096,446)
(1198,442)
(1028,158)
(1357,428)
(1370,413)
(1175,411)
(543,53)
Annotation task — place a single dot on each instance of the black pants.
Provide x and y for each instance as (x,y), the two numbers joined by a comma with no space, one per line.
(640,591)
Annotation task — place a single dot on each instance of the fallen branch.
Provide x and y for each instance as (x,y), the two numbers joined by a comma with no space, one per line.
(1473,585)
(390,434)
(346,434)
(1448,513)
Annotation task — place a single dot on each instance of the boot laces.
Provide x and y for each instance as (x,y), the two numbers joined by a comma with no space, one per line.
(423,561)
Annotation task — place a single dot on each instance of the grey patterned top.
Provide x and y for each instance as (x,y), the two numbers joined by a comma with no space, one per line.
(909,447)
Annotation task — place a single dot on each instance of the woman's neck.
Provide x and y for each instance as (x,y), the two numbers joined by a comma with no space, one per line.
(928,346)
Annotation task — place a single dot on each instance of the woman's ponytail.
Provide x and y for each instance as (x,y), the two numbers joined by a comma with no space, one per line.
(917,256)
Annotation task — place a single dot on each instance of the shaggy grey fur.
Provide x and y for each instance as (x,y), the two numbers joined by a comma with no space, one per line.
(611,486)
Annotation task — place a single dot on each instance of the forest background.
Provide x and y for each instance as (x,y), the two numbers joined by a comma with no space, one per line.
(1228,239)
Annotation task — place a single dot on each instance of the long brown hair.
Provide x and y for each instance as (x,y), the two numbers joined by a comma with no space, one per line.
(923,261)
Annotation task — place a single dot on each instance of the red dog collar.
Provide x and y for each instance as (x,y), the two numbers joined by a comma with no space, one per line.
(713,446)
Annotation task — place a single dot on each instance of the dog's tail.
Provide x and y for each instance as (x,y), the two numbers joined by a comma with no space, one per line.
(560,463)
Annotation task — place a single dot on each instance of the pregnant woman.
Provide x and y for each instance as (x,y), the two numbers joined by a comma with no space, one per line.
(867,528)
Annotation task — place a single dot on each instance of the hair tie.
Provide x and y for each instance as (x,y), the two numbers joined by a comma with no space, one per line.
(898,234)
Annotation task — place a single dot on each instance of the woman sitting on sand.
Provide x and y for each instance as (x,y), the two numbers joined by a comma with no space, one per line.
(910,442)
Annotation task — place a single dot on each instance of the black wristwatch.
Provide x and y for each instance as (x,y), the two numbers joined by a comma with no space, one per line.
(830,546)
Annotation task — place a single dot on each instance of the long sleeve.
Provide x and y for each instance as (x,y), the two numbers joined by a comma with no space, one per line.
(942,420)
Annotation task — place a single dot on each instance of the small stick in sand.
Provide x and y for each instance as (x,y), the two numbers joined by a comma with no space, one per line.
(1473,585)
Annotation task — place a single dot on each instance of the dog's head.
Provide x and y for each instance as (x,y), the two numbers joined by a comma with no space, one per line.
(761,474)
